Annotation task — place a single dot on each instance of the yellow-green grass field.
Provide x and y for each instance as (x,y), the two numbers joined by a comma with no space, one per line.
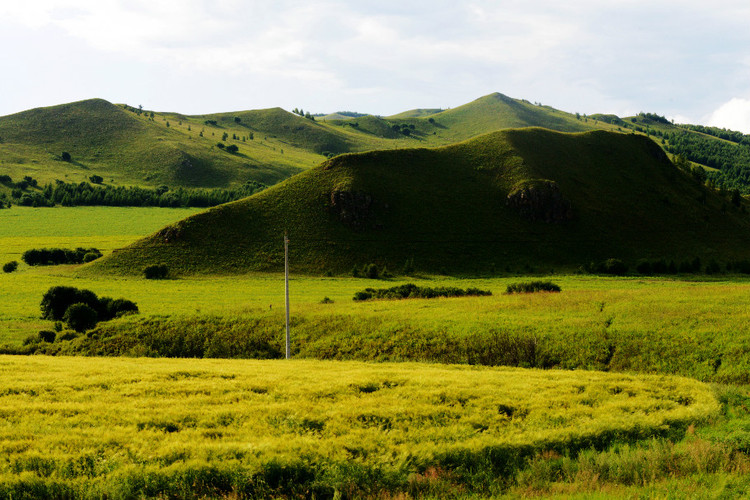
(128,427)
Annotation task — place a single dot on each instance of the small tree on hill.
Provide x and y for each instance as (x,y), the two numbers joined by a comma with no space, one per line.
(66,156)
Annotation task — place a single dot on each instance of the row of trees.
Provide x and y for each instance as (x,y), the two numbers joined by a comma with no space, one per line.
(84,194)
(57,256)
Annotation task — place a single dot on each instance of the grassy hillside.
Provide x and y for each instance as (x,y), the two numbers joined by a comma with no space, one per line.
(415,113)
(130,147)
(506,200)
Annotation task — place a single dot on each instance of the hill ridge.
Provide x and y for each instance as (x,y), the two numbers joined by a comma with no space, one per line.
(511,198)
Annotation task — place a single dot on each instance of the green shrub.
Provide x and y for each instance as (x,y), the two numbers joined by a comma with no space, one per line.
(156,272)
(232,149)
(58,299)
(371,271)
(532,287)
(90,256)
(57,256)
(47,336)
(412,291)
(81,317)
(114,308)
(9,267)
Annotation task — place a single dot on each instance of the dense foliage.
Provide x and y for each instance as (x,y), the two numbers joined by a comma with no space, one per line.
(156,272)
(82,309)
(532,287)
(57,256)
(412,291)
(732,159)
(9,267)
(84,194)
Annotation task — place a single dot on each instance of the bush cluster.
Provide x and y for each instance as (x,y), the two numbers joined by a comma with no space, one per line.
(532,286)
(412,291)
(82,309)
(9,267)
(156,272)
(57,256)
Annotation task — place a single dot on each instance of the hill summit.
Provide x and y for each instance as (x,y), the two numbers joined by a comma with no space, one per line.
(506,200)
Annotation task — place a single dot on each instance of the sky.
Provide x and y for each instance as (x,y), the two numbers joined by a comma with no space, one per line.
(688,60)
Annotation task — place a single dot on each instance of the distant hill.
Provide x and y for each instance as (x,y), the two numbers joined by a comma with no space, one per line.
(415,113)
(513,199)
(129,146)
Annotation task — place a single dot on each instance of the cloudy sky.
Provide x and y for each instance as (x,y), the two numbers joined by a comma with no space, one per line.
(686,59)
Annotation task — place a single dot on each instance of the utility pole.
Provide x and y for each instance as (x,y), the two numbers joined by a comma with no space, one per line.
(286,291)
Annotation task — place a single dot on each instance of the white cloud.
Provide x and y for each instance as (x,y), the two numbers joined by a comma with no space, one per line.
(620,56)
(734,115)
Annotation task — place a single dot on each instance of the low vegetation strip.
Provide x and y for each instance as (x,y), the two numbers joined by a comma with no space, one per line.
(412,291)
(532,286)
(129,428)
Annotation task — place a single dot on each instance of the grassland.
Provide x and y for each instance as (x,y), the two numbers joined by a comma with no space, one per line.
(129,427)
(125,428)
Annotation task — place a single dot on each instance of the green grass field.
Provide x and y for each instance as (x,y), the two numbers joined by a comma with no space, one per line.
(86,427)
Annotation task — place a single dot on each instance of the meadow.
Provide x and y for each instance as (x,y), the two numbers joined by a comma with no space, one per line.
(127,428)
(342,419)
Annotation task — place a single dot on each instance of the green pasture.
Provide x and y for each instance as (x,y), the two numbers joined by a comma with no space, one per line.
(128,428)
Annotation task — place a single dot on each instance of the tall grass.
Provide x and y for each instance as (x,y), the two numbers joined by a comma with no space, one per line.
(194,428)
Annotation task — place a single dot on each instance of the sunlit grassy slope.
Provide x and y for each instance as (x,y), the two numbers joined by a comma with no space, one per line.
(126,147)
(132,428)
(447,208)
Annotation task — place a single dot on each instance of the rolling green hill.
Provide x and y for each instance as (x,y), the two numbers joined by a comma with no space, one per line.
(127,146)
(506,200)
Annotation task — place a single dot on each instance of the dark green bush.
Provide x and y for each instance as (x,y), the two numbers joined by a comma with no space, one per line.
(371,271)
(232,148)
(9,267)
(412,291)
(114,308)
(532,287)
(58,298)
(90,256)
(47,336)
(58,301)
(57,256)
(80,317)
(156,272)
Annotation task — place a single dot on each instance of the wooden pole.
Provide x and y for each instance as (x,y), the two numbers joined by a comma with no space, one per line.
(286,291)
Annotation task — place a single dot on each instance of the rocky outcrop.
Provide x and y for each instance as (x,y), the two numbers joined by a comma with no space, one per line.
(353,208)
(540,200)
